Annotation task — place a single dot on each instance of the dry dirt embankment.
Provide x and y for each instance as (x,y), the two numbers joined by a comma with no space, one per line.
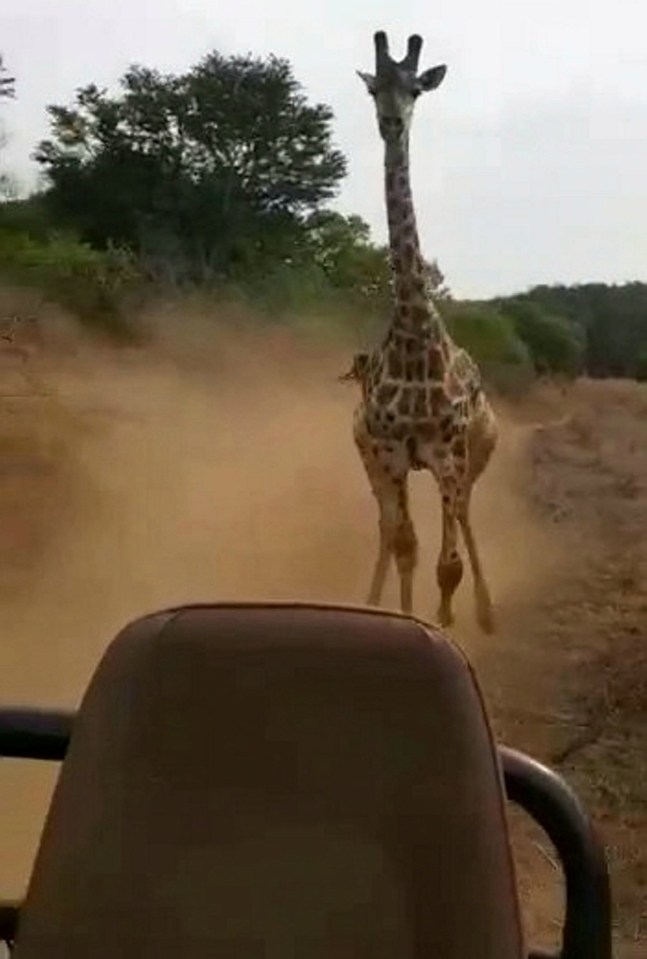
(567,678)
(221,466)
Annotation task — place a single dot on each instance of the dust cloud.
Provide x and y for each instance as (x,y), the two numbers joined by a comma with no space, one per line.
(213,465)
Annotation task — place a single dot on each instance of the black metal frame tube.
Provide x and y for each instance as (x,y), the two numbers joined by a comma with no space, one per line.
(548,799)
(35,733)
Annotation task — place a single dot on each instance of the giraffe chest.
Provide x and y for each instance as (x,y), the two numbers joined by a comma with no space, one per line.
(422,412)
(412,387)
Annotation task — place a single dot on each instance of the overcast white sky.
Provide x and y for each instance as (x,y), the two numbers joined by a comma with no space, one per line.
(529,162)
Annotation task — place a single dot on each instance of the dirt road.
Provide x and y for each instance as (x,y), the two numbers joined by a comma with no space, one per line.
(224,468)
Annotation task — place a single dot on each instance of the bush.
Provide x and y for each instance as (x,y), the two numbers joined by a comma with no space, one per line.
(487,334)
(27,216)
(554,344)
(92,284)
(640,371)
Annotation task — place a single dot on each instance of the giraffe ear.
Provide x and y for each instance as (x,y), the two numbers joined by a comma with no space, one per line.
(369,80)
(431,79)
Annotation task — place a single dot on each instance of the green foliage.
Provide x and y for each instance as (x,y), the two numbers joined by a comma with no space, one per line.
(212,171)
(640,369)
(486,333)
(92,284)
(218,179)
(554,344)
(341,248)
(610,320)
(28,217)
(490,337)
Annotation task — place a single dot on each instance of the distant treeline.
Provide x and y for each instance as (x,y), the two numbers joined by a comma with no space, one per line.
(219,180)
(595,328)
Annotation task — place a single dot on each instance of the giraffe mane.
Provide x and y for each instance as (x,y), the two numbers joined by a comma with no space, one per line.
(357,370)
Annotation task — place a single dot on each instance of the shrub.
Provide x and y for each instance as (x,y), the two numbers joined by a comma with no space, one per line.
(555,345)
(640,371)
(94,285)
(486,333)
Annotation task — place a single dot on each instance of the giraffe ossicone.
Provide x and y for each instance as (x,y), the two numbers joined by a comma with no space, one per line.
(423,405)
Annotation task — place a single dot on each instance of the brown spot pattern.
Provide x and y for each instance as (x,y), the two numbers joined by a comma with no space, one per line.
(426,431)
(407,256)
(386,393)
(395,365)
(404,403)
(420,403)
(459,447)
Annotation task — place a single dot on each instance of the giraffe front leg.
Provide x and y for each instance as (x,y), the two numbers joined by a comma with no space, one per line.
(449,569)
(381,568)
(451,475)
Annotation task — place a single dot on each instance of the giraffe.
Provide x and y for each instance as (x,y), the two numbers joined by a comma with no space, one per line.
(422,406)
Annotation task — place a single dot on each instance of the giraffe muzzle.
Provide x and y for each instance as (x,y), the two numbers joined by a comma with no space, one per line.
(391,128)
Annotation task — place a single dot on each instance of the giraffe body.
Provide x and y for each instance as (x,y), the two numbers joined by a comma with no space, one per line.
(423,406)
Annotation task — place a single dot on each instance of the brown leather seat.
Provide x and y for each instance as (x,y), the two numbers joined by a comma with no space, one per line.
(276,782)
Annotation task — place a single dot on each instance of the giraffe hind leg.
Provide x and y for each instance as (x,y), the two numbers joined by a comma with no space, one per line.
(482,599)
(398,540)
(397,535)
(380,571)
(482,443)
(449,569)
(405,548)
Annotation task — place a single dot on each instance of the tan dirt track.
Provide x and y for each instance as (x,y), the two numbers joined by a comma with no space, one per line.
(220,465)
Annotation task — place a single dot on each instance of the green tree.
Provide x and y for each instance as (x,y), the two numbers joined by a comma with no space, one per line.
(341,247)
(216,168)
(640,371)
(7,83)
(611,320)
(554,344)
(486,332)
(7,91)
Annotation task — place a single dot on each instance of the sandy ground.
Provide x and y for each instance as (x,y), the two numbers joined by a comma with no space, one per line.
(221,466)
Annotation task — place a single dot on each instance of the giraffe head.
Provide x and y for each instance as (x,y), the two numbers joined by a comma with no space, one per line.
(395,87)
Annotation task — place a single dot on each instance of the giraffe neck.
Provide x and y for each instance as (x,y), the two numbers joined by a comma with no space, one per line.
(414,308)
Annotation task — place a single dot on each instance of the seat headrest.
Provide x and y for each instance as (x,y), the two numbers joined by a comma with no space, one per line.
(257,780)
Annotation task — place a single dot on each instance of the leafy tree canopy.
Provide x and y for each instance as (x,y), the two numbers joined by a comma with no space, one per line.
(7,83)
(220,165)
(555,344)
(610,320)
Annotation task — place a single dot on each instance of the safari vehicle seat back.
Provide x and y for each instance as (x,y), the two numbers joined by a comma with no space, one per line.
(274,781)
